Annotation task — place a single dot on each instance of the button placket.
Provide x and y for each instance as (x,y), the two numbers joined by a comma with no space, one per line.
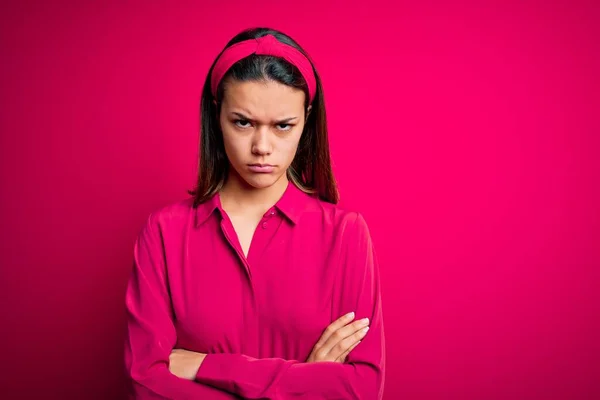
(266,217)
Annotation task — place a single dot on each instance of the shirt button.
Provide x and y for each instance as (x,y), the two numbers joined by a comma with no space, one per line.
(264,225)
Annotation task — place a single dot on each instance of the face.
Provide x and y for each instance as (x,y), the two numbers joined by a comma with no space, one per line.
(262,123)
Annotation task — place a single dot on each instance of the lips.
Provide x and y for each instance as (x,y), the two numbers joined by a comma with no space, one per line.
(261,168)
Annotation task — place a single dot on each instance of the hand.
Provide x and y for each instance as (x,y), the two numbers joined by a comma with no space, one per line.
(185,364)
(339,339)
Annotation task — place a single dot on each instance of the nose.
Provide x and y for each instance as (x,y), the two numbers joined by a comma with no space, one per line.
(261,144)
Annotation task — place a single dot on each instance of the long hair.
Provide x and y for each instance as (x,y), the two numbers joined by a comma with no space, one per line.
(311,168)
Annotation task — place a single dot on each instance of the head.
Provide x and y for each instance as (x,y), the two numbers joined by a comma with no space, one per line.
(259,126)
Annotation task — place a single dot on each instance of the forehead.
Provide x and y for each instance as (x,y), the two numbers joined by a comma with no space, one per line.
(263,99)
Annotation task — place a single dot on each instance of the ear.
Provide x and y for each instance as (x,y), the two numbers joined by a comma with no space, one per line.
(216,107)
(307,113)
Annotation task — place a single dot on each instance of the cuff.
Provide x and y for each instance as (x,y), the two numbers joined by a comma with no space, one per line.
(218,369)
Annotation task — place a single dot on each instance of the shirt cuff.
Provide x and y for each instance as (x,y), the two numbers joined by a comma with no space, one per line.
(217,369)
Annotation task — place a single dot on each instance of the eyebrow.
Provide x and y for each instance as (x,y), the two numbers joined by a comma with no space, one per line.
(281,121)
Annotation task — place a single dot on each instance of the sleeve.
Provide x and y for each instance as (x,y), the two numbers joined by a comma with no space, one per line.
(151,334)
(357,288)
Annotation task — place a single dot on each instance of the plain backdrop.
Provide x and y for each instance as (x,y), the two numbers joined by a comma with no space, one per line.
(466,133)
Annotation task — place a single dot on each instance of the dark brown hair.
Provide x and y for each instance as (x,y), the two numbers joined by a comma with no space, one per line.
(311,168)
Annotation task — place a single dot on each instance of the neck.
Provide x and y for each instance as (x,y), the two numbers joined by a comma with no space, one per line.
(237,197)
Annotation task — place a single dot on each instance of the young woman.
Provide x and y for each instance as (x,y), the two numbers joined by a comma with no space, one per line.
(258,285)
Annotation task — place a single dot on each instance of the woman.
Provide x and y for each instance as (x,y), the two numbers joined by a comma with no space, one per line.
(258,285)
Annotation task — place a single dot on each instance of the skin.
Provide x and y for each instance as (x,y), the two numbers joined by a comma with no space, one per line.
(262,122)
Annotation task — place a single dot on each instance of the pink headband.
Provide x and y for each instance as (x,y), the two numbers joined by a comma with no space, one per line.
(265,45)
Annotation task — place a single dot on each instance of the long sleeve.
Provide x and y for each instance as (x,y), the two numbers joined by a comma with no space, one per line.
(357,288)
(151,334)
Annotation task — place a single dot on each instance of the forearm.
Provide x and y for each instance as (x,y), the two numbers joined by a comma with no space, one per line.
(158,383)
(276,378)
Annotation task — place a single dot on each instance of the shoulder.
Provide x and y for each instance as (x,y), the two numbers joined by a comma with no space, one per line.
(348,222)
(169,216)
(353,235)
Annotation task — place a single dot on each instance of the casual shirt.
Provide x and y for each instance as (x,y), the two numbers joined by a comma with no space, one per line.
(257,317)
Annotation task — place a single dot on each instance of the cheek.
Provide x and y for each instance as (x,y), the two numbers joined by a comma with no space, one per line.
(234,146)
(287,149)
(289,145)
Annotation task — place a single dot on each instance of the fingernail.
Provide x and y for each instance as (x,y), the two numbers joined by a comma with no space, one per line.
(365,321)
(364,330)
(350,315)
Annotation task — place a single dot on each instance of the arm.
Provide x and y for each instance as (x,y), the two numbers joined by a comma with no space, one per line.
(357,288)
(151,334)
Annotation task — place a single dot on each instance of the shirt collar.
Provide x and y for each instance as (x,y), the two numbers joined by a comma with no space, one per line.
(205,210)
(292,204)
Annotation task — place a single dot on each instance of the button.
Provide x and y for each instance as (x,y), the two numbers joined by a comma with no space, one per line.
(264,225)
(269,214)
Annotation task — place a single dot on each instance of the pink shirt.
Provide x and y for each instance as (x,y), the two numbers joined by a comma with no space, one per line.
(259,317)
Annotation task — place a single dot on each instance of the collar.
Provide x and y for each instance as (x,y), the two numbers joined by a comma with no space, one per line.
(205,210)
(292,204)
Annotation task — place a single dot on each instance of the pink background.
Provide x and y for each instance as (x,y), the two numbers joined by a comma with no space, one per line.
(467,134)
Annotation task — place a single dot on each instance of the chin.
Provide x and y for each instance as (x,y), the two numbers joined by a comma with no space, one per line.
(261,181)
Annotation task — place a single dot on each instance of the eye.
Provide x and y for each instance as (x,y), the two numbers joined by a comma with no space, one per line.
(284,127)
(242,123)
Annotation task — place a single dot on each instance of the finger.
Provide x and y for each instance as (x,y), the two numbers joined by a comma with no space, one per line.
(342,358)
(347,343)
(344,333)
(333,327)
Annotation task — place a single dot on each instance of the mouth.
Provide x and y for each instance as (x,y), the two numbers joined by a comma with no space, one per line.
(261,168)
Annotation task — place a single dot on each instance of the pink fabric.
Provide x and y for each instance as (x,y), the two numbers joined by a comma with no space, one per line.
(266,45)
(257,317)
